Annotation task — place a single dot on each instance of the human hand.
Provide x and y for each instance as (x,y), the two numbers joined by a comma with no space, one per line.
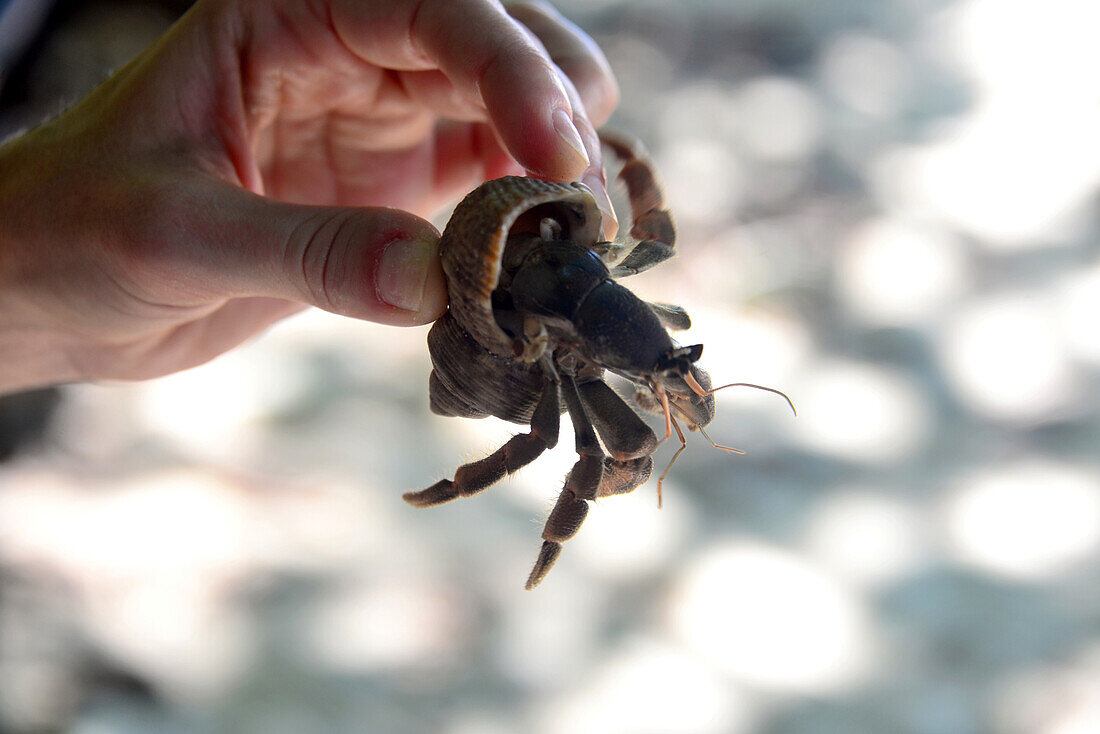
(240,167)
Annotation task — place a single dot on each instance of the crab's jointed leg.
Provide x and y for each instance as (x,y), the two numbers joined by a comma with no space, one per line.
(652,224)
(672,317)
(644,256)
(521,449)
(623,477)
(661,479)
(581,485)
(629,440)
(624,433)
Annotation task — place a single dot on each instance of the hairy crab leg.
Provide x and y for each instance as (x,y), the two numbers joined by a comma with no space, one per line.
(628,438)
(651,222)
(624,433)
(644,256)
(622,477)
(582,484)
(671,316)
(521,449)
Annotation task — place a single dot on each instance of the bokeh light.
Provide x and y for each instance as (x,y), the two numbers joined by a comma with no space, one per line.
(865,536)
(386,624)
(703,177)
(749,345)
(1026,519)
(861,412)
(894,273)
(771,619)
(649,687)
(778,119)
(1058,697)
(988,173)
(886,210)
(628,537)
(149,561)
(870,75)
(1005,359)
(1078,303)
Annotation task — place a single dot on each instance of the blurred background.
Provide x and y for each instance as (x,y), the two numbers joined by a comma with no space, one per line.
(887,210)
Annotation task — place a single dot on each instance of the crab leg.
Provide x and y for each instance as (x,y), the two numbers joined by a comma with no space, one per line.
(668,416)
(673,317)
(625,434)
(627,437)
(652,223)
(644,256)
(521,449)
(661,479)
(711,441)
(581,485)
(622,477)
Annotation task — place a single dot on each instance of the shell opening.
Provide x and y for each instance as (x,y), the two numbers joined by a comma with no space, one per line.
(555,220)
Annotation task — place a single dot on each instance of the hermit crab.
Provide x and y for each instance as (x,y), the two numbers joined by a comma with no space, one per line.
(537,316)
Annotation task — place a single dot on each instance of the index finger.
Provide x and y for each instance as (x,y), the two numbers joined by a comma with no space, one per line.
(486,54)
(574,52)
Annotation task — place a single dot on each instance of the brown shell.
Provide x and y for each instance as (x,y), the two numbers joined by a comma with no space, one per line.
(471,382)
(473,243)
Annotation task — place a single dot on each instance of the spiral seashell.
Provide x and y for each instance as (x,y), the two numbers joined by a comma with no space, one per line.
(474,239)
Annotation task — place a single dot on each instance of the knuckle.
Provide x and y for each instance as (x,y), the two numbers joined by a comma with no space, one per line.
(318,256)
(517,58)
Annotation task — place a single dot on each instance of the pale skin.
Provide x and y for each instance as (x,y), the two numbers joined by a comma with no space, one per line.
(263,156)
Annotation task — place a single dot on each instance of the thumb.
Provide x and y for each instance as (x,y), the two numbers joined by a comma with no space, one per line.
(373,263)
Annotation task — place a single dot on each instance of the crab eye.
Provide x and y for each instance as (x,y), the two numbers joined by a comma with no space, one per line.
(668,372)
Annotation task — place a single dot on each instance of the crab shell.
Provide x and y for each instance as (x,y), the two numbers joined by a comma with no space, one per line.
(473,243)
(475,372)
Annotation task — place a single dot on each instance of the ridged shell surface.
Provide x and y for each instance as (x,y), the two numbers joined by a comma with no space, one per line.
(470,381)
(473,243)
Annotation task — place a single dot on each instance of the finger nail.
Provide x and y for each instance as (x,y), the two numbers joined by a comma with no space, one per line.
(403,271)
(599,193)
(567,131)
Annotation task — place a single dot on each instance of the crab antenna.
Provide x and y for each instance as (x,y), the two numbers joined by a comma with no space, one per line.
(698,389)
(661,479)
